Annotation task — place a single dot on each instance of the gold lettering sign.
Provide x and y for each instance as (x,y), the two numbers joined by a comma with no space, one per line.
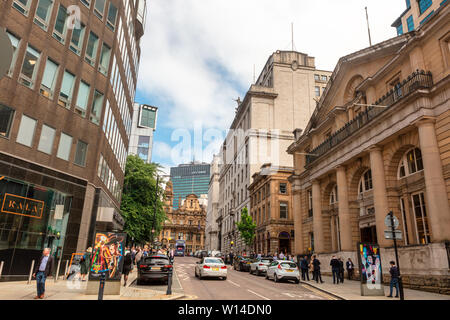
(22,206)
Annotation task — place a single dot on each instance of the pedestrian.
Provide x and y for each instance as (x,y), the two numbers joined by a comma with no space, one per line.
(127,266)
(394,280)
(42,270)
(85,263)
(311,269)
(350,268)
(341,270)
(275,257)
(139,255)
(231,258)
(316,265)
(281,255)
(334,263)
(304,268)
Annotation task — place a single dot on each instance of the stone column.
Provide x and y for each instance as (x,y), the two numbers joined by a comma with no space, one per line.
(379,193)
(334,240)
(298,217)
(436,193)
(319,245)
(345,229)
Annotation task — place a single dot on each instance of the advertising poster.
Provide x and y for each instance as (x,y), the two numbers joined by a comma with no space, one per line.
(370,265)
(107,255)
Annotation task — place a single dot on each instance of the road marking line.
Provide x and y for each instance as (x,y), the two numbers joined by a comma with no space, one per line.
(234,283)
(257,294)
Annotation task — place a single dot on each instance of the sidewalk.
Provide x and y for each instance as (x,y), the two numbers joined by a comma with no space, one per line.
(74,290)
(351,290)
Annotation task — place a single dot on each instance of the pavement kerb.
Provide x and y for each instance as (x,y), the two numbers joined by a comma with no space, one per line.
(323,290)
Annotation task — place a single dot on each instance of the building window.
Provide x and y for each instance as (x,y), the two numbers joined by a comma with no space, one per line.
(80,154)
(410,163)
(112,17)
(317,77)
(334,195)
(365,184)
(283,188)
(424,5)
(65,145)
(399,29)
(97,105)
(65,96)
(104,59)
(405,225)
(317,91)
(6,119)
(310,204)
(410,23)
(15,44)
(198,237)
(29,67)
(82,99)
(324,78)
(408,4)
(46,140)
(283,210)
(76,42)
(48,79)
(87,3)
(148,118)
(22,5)
(420,212)
(99,8)
(43,13)
(59,32)
(143,147)
(26,131)
(91,49)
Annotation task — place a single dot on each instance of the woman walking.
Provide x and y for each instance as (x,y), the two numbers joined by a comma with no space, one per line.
(85,263)
(127,262)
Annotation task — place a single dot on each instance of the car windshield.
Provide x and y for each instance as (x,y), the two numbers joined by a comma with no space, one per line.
(156,260)
(218,261)
(288,265)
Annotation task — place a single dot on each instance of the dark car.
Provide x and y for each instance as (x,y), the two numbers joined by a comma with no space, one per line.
(241,263)
(155,267)
(203,254)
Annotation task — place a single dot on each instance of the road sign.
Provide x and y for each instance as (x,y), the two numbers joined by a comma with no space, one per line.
(390,235)
(6,53)
(387,222)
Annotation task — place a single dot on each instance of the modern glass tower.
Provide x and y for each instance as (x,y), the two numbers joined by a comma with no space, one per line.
(188,179)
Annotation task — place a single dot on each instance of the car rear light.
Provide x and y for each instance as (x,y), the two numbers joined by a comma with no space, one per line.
(224,267)
(279,266)
(206,267)
(261,265)
(168,266)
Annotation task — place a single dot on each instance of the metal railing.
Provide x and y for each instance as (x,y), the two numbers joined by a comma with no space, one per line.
(417,80)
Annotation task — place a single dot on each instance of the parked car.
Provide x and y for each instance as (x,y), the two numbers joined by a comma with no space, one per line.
(259,266)
(283,270)
(211,267)
(196,253)
(203,254)
(155,267)
(217,254)
(241,263)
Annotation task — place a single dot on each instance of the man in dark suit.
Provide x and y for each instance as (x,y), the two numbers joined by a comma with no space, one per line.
(304,268)
(42,270)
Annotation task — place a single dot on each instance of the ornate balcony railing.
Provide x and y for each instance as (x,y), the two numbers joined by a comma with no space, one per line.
(417,80)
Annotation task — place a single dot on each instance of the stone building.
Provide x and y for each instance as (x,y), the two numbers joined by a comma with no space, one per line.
(65,118)
(212,232)
(185,223)
(379,141)
(271,210)
(282,99)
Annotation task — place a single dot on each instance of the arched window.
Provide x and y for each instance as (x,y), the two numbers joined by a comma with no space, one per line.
(365,184)
(410,163)
(334,195)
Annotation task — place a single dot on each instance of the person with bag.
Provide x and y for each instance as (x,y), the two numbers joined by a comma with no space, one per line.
(316,266)
(85,263)
(127,266)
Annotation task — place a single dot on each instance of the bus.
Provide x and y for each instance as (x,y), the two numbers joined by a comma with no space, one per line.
(180,248)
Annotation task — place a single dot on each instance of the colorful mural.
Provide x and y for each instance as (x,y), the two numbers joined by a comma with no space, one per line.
(107,255)
(370,264)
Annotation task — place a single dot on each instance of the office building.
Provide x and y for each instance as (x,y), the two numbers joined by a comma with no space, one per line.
(142,130)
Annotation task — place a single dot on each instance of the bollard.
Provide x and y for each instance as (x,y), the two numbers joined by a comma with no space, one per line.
(67,266)
(169,283)
(57,270)
(31,272)
(102,286)
(1,269)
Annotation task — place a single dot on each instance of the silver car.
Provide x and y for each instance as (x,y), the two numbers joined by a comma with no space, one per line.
(260,266)
(283,270)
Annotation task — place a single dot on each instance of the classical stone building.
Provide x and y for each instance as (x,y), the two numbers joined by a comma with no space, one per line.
(65,117)
(212,231)
(379,141)
(271,210)
(282,99)
(185,223)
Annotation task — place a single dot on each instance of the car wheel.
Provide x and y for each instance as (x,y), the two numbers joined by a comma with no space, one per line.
(275,278)
(297,281)
(224,278)
(258,273)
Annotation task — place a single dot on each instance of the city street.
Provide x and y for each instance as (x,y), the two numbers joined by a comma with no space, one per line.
(239,286)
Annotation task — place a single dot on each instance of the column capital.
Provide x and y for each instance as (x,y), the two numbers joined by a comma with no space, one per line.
(375,148)
(315,181)
(340,168)
(424,120)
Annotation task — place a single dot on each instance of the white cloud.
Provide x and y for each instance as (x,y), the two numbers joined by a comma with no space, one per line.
(199,55)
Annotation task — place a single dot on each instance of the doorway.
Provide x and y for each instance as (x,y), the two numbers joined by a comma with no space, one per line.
(369,234)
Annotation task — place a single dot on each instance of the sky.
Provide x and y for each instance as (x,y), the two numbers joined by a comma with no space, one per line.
(200,55)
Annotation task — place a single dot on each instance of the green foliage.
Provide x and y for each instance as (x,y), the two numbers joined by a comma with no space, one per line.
(246,227)
(138,200)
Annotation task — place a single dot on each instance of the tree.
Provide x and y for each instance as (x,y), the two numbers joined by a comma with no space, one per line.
(138,200)
(246,227)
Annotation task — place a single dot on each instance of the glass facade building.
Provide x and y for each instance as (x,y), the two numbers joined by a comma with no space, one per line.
(142,131)
(189,179)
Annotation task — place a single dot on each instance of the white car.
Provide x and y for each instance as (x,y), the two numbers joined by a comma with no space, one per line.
(260,266)
(283,270)
(210,267)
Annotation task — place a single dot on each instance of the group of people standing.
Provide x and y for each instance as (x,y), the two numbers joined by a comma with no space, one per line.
(337,267)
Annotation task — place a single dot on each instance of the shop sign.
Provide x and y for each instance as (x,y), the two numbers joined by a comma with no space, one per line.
(22,206)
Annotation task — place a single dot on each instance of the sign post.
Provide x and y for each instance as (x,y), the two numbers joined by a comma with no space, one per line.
(392,222)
